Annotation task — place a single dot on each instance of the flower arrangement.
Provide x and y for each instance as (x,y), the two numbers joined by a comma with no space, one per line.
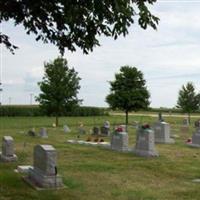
(145,126)
(119,129)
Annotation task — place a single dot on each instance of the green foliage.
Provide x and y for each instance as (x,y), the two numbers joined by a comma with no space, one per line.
(70,24)
(34,110)
(188,99)
(128,90)
(59,88)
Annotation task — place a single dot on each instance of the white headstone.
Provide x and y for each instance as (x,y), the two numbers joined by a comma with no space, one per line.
(66,129)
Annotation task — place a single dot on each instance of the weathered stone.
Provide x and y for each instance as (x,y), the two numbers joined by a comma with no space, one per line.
(95,131)
(185,122)
(7,154)
(145,144)
(105,131)
(119,141)
(160,118)
(162,133)
(43,133)
(195,139)
(66,129)
(44,171)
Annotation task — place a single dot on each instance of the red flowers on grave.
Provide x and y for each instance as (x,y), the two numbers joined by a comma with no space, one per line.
(146,126)
(119,129)
(189,141)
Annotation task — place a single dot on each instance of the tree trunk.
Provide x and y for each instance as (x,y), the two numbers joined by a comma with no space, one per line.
(56,121)
(189,118)
(126,121)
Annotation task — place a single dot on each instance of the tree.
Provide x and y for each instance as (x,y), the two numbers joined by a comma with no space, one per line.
(59,88)
(75,23)
(128,91)
(188,99)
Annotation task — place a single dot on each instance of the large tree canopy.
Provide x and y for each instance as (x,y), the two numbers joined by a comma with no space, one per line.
(75,23)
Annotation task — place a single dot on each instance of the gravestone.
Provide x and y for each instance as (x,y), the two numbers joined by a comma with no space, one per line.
(160,117)
(195,139)
(185,126)
(32,132)
(44,171)
(43,133)
(119,141)
(66,129)
(95,131)
(7,154)
(162,133)
(105,129)
(145,144)
(185,122)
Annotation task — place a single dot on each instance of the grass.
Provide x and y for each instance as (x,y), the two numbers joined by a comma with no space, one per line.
(94,173)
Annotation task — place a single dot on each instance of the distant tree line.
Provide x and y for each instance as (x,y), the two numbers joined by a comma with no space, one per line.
(35,110)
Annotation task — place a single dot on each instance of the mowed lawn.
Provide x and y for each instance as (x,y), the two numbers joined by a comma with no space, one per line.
(91,173)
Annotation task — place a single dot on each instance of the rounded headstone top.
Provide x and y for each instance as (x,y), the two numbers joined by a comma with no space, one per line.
(7,138)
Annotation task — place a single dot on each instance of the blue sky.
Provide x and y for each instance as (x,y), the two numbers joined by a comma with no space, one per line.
(168,57)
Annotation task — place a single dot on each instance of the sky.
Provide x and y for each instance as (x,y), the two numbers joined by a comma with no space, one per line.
(168,57)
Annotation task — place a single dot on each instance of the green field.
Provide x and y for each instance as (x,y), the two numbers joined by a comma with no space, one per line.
(92,173)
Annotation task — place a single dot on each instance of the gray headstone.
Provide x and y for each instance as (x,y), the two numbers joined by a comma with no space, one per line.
(196,139)
(32,132)
(145,144)
(119,141)
(7,154)
(44,172)
(162,133)
(185,122)
(105,131)
(95,131)
(43,133)
(66,129)
(160,118)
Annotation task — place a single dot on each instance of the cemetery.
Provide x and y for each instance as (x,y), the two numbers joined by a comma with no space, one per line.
(123,165)
(99,100)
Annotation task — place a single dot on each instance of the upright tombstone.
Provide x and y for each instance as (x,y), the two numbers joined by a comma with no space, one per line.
(145,144)
(160,117)
(66,129)
(43,133)
(32,132)
(44,171)
(162,133)
(95,131)
(119,140)
(105,129)
(195,138)
(8,154)
(185,122)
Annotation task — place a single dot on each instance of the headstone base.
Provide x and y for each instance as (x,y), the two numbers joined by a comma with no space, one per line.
(41,181)
(12,158)
(164,141)
(194,145)
(146,153)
